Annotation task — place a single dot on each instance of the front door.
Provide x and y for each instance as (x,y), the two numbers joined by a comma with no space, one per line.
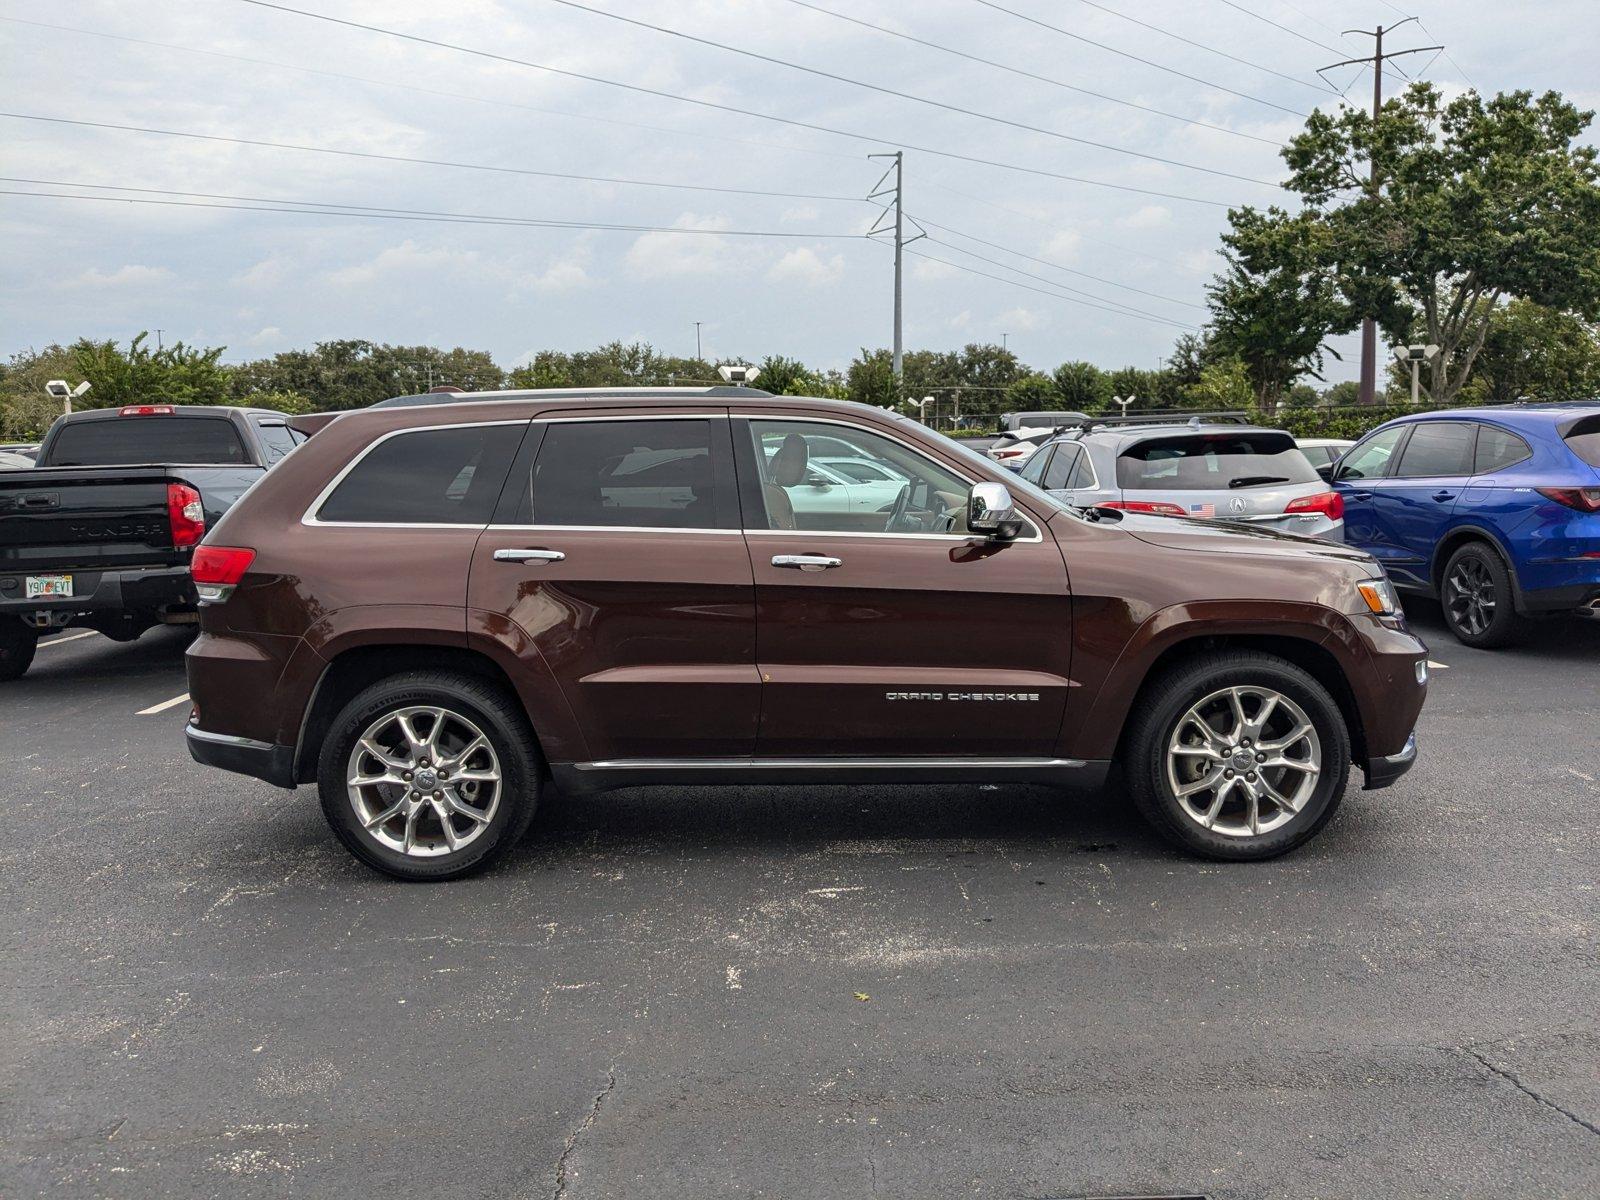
(1362,479)
(893,632)
(616,557)
(1422,492)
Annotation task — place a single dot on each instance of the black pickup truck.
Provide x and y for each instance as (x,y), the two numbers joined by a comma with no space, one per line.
(100,532)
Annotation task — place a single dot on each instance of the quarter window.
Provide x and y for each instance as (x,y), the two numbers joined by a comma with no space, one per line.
(1437,448)
(430,477)
(626,473)
(918,495)
(1497,449)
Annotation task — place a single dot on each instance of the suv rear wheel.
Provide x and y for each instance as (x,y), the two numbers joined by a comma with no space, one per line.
(1477,600)
(429,775)
(17,644)
(1238,755)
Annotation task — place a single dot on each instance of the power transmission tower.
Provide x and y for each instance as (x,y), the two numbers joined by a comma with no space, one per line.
(1369,328)
(897,228)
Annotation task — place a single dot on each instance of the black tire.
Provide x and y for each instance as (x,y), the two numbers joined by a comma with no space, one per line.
(1155,719)
(17,645)
(1477,569)
(511,741)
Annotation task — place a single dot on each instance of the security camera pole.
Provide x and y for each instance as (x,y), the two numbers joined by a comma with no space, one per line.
(1124,401)
(1416,356)
(58,389)
(739,376)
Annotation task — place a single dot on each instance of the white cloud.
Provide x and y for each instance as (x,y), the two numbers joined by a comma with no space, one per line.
(401,259)
(1063,246)
(672,255)
(133,275)
(1151,216)
(1022,319)
(269,272)
(800,214)
(804,266)
(961,320)
(271,335)
(927,270)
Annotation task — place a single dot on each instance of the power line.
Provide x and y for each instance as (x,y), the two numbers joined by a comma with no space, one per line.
(1048,263)
(1465,78)
(1200,45)
(895,92)
(1053,295)
(1077,37)
(1292,32)
(989,62)
(430,162)
(318,208)
(407,87)
(729,108)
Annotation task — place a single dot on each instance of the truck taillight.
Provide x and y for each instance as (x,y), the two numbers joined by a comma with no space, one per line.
(1584,499)
(1329,504)
(1160,508)
(218,569)
(146,410)
(187,514)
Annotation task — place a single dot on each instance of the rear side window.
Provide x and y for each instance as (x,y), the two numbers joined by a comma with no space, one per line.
(1437,448)
(648,474)
(430,477)
(1204,462)
(1069,469)
(1498,448)
(277,439)
(1584,440)
(127,441)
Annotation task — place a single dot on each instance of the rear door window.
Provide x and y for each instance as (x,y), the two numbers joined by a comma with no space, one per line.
(1437,448)
(1498,449)
(429,477)
(1207,462)
(1033,471)
(129,441)
(1063,468)
(632,473)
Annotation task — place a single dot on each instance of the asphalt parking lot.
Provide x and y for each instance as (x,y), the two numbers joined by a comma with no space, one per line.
(908,992)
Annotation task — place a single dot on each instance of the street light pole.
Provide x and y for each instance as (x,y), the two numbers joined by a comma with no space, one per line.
(698,357)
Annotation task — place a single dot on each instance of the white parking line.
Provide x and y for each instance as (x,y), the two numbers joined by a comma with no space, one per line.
(163,706)
(71,637)
(1433,666)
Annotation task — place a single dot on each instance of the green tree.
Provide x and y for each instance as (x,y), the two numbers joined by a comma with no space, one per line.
(791,377)
(1082,387)
(1538,353)
(1033,392)
(26,411)
(1276,302)
(870,379)
(353,373)
(1223,386)
(1477,201)
(175,374)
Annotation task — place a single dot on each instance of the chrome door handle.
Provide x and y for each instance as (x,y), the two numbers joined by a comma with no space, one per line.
(528,556)
(806,562)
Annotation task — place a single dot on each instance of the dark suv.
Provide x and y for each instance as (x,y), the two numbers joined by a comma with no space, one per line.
(442,604)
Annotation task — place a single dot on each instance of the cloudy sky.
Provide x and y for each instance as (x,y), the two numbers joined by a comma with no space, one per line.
(1085,269)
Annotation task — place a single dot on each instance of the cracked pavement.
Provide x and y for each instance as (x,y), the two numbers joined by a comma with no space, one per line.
(660,993)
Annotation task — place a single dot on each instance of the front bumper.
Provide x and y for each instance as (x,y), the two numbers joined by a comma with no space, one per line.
(1385,769)
(245,756)
(103,591)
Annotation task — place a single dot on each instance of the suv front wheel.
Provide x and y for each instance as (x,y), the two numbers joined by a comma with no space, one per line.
(1238,755)
(428,775)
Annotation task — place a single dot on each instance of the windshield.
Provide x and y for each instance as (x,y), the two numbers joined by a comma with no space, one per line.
(1213,462)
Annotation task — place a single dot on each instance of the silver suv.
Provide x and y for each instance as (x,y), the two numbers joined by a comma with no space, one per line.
(1210,468)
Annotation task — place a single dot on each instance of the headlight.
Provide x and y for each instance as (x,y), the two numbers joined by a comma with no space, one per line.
(1380,597)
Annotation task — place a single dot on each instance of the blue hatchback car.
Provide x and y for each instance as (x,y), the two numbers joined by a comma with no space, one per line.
(1495,511)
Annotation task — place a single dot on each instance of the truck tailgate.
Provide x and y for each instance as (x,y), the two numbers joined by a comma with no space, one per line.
(101,518)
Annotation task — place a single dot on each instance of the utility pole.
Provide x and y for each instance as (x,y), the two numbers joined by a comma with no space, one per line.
(898,228)
(1369,328)
(158,339)
(698,357)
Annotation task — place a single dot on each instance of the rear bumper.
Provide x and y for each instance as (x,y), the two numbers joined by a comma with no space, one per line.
(1384,770)
(103,591)
(244,756)
(1581,598)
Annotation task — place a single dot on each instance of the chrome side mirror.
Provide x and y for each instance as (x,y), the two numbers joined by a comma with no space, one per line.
(990,512)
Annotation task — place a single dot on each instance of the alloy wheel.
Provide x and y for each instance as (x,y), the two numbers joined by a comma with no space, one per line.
(1243,761)
(1469,596)
(424,781)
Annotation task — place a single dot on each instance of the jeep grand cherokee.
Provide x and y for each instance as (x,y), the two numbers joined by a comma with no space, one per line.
(443,604)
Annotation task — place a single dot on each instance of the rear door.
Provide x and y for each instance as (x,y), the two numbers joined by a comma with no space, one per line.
(1422,492)
(616,560)
(907,639)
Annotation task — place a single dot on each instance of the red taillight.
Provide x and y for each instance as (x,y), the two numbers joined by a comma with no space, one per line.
(187,514)
(1581,498)
(1009,453)
(1329,504)
(218,569)
(1160,507)
(146,410)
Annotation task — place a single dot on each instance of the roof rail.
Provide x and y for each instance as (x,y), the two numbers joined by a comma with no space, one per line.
(451,395)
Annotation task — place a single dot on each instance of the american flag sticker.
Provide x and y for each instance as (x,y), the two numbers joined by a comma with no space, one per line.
(1203,510)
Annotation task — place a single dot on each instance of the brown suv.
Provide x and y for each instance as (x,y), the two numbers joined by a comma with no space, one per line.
(439,605)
